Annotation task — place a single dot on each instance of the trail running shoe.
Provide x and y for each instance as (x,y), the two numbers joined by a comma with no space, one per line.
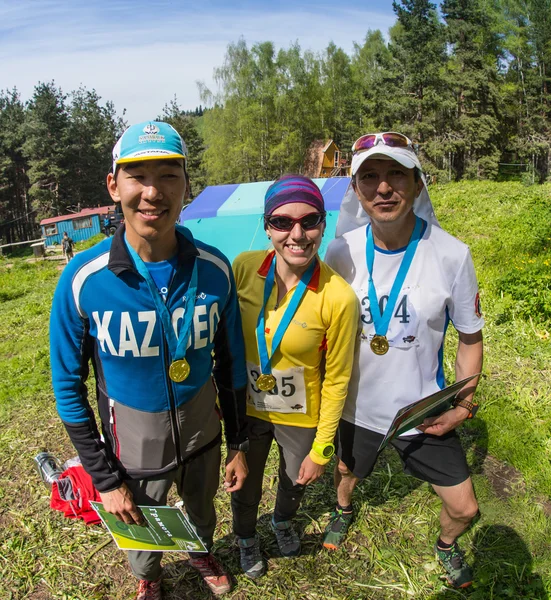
(149,590)
(212,573)
(287,538)
(337,528)
(458,572)
(250,557)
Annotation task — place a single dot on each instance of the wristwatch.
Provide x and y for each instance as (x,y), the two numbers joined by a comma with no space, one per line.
(323,450)
(242,447)
(470,406)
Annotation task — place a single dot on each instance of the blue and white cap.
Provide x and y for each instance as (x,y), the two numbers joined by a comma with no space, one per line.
(151,140)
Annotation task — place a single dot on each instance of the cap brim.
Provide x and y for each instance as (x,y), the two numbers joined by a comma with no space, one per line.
(406,157)
(140,158)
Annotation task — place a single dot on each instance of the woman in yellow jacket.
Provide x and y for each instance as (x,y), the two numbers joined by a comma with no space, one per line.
(300,323)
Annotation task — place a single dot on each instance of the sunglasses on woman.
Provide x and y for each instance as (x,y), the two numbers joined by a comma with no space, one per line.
(286,223)
(389,138)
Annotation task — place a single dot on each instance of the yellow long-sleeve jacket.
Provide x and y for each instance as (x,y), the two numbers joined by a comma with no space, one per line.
(313,363)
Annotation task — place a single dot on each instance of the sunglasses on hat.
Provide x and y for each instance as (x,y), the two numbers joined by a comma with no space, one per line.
(388,138)
(286,222)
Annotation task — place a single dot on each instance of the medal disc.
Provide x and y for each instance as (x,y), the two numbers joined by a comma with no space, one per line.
(179,370)
(379,344)
(266,383)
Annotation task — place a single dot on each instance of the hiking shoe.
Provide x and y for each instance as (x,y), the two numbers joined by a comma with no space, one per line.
(337,528)
(149,590)
(287,538)
(458,572)
(212,573)
(250,557)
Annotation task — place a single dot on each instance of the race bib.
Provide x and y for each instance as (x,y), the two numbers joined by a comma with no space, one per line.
(404,324)
(288,395)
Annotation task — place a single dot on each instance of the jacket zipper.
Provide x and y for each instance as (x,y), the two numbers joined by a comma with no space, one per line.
(172,401)
(113,424)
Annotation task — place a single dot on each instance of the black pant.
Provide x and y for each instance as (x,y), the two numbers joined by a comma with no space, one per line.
(294,444)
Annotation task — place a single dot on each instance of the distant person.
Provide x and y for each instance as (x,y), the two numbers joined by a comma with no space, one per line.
(156,313)
(106,226)
(300,321)
(412,279)
(67,246)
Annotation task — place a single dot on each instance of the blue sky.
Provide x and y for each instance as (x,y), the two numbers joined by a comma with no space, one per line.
(140,54)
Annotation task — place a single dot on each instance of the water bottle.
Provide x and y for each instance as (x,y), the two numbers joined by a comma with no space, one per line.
(49,467)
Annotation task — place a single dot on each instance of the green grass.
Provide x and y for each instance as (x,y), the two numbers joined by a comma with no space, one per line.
(388,553)
(508,228)
(90,242)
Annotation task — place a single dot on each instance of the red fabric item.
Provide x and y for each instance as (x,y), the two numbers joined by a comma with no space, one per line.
(83,491)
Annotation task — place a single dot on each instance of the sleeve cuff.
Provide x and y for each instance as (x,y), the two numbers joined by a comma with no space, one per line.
(109,488)
(316,458)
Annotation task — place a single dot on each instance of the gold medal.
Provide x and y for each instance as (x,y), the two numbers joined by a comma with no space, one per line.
(266,383)
(179,370)
(379,344)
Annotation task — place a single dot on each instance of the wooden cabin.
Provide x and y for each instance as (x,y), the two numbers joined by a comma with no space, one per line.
(324,159)
(79,226)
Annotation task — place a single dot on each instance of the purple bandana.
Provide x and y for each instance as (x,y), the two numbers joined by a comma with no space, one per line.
(292,188)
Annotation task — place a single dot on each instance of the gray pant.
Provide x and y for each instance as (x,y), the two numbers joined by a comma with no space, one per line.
(294,444)
(197,482)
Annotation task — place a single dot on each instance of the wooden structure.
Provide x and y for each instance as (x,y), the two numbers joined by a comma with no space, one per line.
(34,244)
(79,226)
(324,159)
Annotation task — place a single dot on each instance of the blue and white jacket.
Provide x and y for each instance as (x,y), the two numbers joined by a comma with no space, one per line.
(103,312)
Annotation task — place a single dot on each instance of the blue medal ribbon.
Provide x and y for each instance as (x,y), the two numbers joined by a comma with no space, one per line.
(288,315)
(176,345)
(382,322)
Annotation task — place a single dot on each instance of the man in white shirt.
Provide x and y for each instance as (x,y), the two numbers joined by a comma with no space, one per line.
(412,279)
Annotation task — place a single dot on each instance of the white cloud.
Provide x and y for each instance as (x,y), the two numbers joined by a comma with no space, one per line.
(140,61)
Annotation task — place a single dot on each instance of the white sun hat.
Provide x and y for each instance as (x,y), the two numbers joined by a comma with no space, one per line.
(352,215)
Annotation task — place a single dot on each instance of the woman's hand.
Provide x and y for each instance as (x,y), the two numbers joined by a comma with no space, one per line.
(236,471)
(309,471)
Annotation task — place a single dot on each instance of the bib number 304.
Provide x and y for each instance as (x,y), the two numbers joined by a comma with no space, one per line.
(288,395)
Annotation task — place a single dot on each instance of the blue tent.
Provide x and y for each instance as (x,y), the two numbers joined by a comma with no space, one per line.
(229,217)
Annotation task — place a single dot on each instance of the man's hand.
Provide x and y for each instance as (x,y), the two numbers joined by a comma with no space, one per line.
(309,471)
(445,422)
(236,470)
(119,502)
(468,361)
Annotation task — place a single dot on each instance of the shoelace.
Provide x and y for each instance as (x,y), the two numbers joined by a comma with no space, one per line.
(337,524)
(286,537)
(287,533)
(250,550)
(251,556)
(457,557)
(207,564)
(149,586)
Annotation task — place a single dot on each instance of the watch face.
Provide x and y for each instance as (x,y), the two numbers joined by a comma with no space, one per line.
(328,451)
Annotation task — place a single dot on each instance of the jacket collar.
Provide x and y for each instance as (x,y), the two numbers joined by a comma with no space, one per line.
(120,260)
(265,267)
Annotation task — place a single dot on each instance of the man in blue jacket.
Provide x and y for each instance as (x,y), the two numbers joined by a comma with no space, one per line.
(156,314)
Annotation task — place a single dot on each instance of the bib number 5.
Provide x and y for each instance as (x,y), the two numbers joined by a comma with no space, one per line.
(288,395)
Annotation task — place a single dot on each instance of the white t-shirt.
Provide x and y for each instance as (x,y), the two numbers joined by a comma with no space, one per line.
(440,287)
